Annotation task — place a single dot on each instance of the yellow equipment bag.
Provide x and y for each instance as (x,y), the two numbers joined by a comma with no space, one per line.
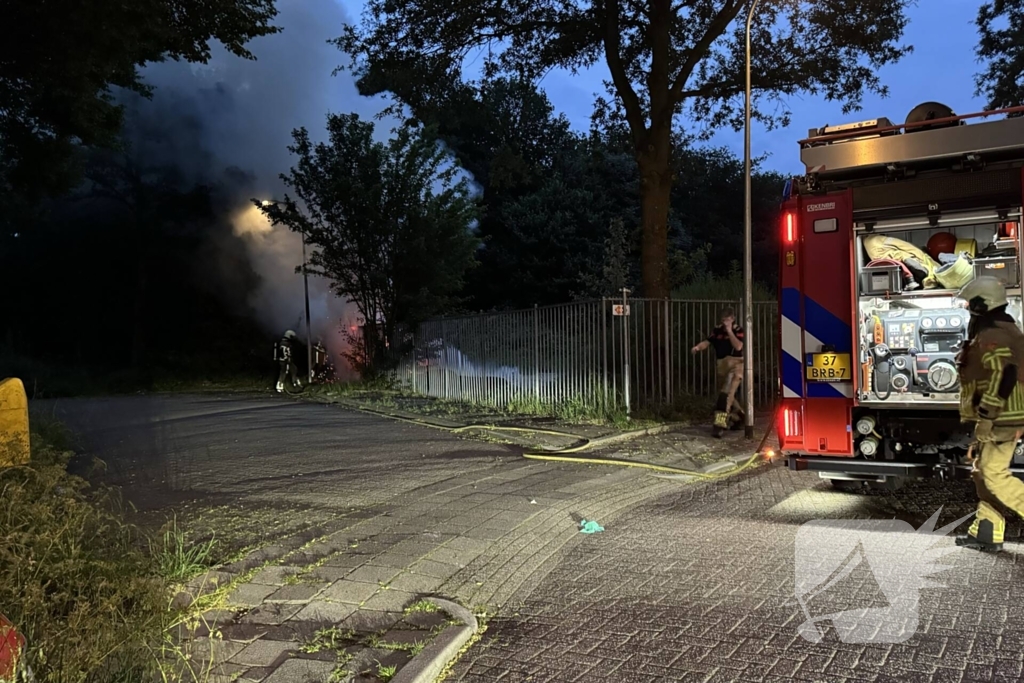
(882,247)
(14,441)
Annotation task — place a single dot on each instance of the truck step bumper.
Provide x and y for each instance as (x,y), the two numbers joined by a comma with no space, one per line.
(859,467)
(855,469)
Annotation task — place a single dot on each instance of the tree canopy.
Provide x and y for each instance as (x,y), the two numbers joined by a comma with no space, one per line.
(560,211)
(1001,50)
(390,223)
(136,278)
(57,82)
(663,57)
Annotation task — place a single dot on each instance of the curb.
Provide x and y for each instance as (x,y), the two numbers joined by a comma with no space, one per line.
(428,664)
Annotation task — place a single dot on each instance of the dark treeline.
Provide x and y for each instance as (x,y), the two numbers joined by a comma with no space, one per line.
(561,209)
(136,277)
(118,260)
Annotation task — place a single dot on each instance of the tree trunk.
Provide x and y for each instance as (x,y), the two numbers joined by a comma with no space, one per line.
(655,194)
(139,332)
(142,246)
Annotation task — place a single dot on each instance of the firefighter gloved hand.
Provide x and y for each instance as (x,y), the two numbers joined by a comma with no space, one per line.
(983,431)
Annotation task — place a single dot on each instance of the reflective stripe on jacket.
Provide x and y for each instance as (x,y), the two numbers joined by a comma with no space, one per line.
(996,349)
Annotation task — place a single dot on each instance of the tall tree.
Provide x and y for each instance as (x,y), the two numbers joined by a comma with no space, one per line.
(1001,49)
(708,204)
(389,223)
(56,84)
(144,276)
(142,185)
(505,132)
(662,56)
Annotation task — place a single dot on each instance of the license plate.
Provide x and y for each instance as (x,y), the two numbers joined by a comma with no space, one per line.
(829,367)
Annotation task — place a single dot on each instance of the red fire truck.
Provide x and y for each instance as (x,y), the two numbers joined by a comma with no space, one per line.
(877,237)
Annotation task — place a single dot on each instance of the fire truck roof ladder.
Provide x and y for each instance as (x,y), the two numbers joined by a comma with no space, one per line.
(832,150)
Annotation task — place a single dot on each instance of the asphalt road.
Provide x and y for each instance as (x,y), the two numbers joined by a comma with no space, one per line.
(689,582)
(164,449)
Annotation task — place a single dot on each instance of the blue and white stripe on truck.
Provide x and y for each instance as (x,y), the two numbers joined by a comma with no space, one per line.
(822,327)
(792,345)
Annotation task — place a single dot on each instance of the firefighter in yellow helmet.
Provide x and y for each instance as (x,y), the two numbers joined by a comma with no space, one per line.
(992,397)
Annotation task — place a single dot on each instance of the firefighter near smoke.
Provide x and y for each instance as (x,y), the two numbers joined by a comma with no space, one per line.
(878,237)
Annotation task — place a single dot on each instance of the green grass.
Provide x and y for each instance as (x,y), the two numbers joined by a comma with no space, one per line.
(422,606)
(386,673)
(712,288)
(231,384)
(74,578)
(58,380)
(329,640)
(90,592)
(179,559)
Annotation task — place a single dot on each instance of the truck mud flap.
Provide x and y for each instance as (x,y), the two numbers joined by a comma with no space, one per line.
(861,467)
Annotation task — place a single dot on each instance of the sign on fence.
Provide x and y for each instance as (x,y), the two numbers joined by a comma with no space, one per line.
(619,309)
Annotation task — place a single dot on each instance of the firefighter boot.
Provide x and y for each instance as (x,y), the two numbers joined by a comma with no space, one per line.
(721,415)
(720,425)
(281,375)
(982,537)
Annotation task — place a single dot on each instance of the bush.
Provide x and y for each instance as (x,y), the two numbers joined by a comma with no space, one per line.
(717,288)
(76,580)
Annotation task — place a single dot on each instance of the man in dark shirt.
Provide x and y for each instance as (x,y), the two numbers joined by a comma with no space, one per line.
(727,341)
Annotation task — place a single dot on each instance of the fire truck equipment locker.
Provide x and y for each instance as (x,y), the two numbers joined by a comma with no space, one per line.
(878,236)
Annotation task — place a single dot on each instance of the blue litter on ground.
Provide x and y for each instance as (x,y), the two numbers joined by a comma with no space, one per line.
(590,527)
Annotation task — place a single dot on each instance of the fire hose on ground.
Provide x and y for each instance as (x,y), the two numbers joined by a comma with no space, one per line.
(570,454)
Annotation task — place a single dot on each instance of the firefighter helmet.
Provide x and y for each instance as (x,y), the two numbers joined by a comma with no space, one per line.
(941,243)
(290,334)
(984,294)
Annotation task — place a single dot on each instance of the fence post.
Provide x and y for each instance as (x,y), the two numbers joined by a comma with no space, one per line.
(536,354)
(415,363)
(604,348)
(742,310)
(668,358)
(625,348)
(444,363)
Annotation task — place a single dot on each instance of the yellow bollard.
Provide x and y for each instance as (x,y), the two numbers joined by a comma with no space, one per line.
(14,440)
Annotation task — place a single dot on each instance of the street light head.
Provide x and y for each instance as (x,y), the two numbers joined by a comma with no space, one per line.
(266,202)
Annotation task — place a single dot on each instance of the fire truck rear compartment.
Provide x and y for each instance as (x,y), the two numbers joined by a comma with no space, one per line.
(899,412)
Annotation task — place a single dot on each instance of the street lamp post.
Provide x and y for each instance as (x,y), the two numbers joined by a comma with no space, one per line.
(309,329)
(305,286)
(748,275)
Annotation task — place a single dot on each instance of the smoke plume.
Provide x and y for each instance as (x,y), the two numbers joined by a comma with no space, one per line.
(244,112)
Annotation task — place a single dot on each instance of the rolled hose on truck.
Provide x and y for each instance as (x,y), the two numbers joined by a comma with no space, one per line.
(569,454)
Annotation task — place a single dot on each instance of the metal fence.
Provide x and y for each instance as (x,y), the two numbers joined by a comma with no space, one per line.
(583,353)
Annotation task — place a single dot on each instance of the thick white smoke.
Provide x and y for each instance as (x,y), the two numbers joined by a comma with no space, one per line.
(247,111)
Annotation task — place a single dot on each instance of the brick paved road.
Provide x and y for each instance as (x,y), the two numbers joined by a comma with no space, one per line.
(697,586)
(689,582)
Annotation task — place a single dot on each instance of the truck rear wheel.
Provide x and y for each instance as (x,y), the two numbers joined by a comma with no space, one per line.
(862,486)
(847,485)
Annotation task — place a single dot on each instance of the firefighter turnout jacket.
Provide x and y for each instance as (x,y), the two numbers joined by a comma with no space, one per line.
(992,372)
